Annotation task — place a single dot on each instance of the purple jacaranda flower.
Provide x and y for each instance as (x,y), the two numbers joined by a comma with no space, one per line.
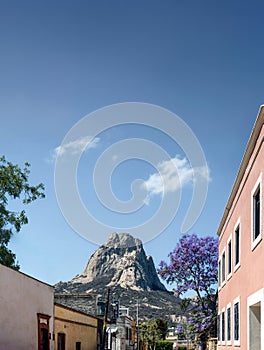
(193,266)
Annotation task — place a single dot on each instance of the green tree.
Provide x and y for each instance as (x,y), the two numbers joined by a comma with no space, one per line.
(151,333)
(164,345)
(162,325)
(14,185)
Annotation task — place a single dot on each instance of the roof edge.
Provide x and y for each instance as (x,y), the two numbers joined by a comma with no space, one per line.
(26,275)
(243,165)
(76,310)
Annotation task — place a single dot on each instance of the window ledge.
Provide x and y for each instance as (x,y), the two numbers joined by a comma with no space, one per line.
(236,267)
(256,242)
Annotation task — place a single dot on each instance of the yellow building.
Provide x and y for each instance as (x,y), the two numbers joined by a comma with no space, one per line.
(75,330)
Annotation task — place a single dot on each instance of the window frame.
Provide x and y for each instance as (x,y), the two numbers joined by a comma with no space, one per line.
(223,329)
(43,325)
(229,307)
(219,273)
(219,328)
(229,256)
(257,186)
(237,264)
(236,341)
(223,267)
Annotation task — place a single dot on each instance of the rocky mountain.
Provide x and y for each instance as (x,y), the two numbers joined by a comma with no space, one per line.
(120,264)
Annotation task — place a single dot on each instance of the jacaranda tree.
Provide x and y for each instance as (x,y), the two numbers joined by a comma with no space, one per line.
(14,186)
(193,267)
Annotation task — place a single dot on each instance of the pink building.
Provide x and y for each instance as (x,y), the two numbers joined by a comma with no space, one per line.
(26,312)
(241,253)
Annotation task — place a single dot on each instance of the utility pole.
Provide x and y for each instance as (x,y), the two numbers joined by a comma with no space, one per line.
(137,328)
(105,318)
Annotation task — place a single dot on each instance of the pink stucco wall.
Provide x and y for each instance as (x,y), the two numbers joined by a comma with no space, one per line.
(249,277)
(21,299)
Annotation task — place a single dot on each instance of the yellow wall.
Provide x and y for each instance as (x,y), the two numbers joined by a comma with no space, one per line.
(77,327)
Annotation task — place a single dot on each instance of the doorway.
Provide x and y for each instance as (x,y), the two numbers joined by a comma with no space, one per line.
(44,341)
(61,341)
(255,326)
(43,332)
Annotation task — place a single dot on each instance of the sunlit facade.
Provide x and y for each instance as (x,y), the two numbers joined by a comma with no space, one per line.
(241,253)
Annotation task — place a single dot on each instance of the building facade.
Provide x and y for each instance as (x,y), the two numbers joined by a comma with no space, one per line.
(122,334)
(26,312)
(241,253)
(75,330)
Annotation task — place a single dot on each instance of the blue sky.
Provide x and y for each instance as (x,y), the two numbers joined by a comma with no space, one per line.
(60,61)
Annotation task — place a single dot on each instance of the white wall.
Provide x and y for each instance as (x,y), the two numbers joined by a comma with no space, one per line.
(21,299)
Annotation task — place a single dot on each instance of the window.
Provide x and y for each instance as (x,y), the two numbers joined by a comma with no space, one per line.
(78,345)
(236,323)
(229,257)
(228,324)
(218,327)
(256,213)
(223,326)
(237,246)
(219,273)
(223,267)
(128,333)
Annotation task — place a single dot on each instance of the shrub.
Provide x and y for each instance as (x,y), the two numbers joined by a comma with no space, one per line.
(164,345)
(182,347)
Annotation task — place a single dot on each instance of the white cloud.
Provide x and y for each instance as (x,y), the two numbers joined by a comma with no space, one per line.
(74,147)
(114,157)
(174,174)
